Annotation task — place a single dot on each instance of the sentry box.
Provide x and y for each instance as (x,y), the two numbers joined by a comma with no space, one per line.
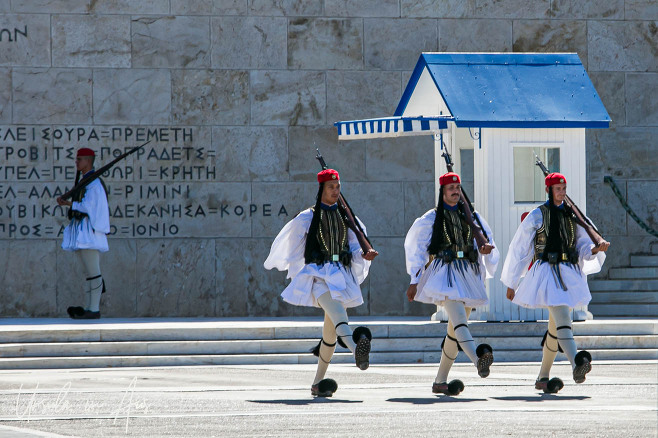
(493,112)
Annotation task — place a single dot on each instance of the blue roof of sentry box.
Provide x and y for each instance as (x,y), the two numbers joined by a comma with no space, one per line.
(524,90)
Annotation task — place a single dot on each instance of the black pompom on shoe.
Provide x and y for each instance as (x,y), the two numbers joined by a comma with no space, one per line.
(484,353)
(362,337)
(324,388)
(549,386)
(583,366)
(74,311)
(455,387)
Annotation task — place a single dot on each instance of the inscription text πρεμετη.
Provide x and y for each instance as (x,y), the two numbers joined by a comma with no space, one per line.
(172,187)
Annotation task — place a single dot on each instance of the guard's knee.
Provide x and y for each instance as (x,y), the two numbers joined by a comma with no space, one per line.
(459,347)
(101,284)
(316,350)
(543,342)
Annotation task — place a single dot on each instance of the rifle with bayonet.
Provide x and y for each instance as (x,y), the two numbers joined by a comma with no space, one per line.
(352,223)
(96,174)
(472,220)
(581,219)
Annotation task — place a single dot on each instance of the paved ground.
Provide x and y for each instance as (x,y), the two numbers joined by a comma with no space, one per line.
(617,400)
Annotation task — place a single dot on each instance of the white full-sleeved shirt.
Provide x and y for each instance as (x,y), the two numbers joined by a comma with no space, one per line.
(90,231)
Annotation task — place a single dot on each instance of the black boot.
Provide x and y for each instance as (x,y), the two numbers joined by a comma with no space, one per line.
(485,359)
(362,337)
(583,366)
(324,388)
(453,388)
(549,386)
(87,314)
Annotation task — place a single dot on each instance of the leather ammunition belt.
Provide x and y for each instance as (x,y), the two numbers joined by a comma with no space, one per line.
(74,214)
(449,255)
(345,258)
(558,257)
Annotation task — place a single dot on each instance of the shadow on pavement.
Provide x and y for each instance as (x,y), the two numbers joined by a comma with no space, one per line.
(542,397)
(301,402)
(438,399)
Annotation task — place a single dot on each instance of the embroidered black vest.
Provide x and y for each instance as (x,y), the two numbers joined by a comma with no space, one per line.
(457,238)
(567,229)
(331,238)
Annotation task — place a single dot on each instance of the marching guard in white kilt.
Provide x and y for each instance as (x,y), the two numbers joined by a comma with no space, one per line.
(561,255)
(448,268)
(326,265)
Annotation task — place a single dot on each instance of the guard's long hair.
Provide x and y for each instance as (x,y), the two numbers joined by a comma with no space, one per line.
(312,245)
(557,240)
(437,229)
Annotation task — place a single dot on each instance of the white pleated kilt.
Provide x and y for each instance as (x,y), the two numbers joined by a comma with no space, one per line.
(540,287)
(313,281)
(458,281)
(80,235)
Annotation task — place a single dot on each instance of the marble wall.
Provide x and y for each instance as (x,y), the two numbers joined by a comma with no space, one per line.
(235,95)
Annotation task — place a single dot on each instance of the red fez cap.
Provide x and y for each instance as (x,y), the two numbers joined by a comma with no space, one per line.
(555,178)
(85,152)
(449,178)
(328,175)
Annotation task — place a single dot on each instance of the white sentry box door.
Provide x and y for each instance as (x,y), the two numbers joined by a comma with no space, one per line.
(494,198)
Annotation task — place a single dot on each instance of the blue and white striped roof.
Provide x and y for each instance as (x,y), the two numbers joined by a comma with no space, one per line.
(390,127)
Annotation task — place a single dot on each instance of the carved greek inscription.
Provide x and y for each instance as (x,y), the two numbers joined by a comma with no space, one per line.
(11,35)
(169,188)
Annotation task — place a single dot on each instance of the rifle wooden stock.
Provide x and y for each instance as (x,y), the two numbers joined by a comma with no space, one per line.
(581,219)
(89,178)
(351,220)
(584,222)
(354,226)
(476,229)
(69,212)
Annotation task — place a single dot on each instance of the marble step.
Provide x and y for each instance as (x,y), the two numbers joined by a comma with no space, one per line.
(654,248)
(624,297)
(638,260)
(160,348)
(633,273)
(623,285)
(53,343)
(501,356)
(623,310)
(187,329)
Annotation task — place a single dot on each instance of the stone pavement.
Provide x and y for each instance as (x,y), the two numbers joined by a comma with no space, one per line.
(618,399)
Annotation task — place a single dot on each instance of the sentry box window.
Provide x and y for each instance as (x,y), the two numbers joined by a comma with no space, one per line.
(528,178)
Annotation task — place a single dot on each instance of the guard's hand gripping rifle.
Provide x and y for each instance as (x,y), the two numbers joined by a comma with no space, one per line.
(352,223)
(581,219)
(472,220)
(89,178)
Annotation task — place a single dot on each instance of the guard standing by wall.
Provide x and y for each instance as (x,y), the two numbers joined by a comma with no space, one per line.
(86,233)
